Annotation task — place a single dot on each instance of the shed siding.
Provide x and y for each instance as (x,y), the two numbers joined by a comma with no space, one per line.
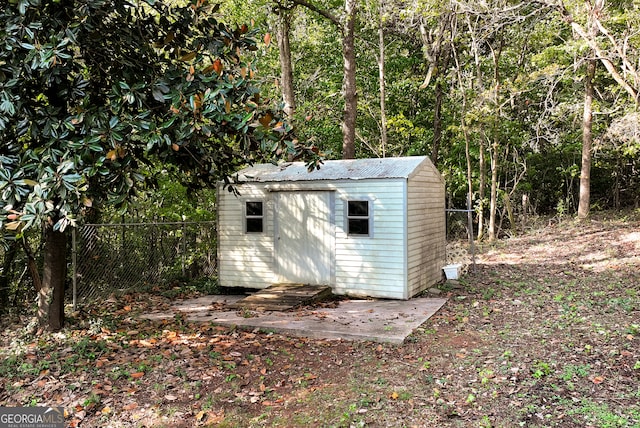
(245,259)
(372,266)
(426,229)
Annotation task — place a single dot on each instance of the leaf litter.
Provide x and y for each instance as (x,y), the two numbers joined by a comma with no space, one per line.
(544,332)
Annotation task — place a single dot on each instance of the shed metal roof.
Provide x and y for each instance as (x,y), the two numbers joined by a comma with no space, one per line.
(345,169)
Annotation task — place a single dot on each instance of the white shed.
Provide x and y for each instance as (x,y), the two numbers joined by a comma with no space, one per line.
(366,227)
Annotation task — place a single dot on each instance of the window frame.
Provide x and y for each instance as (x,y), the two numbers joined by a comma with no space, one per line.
(248,217)
(368,218)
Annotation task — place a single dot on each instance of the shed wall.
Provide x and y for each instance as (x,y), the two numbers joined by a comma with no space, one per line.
(426,229)
(372,266)
(245,259)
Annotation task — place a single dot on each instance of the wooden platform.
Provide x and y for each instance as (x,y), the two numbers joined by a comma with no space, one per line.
(283,297)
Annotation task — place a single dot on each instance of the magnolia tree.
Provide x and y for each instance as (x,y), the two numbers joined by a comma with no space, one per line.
(95,91)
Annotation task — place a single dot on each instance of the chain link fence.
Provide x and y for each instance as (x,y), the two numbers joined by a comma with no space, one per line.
(115,258)
(460,239)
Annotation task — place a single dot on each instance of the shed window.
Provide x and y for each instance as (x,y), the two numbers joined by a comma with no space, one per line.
(254,217)
(358,218)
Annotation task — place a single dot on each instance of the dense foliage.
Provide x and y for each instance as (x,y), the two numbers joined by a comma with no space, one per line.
(95,91)
(507,76)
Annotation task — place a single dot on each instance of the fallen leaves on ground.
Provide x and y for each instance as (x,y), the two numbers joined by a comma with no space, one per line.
(544,332)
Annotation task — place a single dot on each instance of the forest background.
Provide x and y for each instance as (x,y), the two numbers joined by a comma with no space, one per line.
(502,95)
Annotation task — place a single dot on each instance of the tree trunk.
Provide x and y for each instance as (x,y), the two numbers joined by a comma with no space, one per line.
(467,155)
(54,275)
(437,53)
(587,141)
(349,85)
(493,202)
(381,78)
(512,218)
(286,68)
(437,123)
(481,188)
(5,275)
(348,28)
(478,85)
(34,272)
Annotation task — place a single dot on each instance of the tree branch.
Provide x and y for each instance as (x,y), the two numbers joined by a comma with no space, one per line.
(627,65)
(335,20)
(591,42)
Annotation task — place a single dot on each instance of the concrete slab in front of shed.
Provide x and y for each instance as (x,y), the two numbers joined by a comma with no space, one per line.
(388,321)
(283,297)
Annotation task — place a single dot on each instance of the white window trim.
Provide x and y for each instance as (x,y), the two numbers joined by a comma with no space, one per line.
(246,216)
(347,217)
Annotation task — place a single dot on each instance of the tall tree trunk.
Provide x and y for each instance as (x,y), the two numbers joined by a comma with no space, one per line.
(381,78)
(481,188)
(587,142)
(437,53)
(478,85)
(348,28)
(54,275)
(584,198)
(467,151)
(493,204)
(286,68)
(349,85)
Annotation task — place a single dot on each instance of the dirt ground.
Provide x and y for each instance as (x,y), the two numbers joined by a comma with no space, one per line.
(544,332)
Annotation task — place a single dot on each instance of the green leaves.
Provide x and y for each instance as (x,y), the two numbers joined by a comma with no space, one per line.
(13,187)
(6,106)
(104,90)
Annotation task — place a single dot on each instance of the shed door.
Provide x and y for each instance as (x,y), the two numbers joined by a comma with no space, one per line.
(305,236)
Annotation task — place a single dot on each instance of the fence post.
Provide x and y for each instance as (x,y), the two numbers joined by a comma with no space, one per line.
(470,231)
(184,248)
(74,264)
